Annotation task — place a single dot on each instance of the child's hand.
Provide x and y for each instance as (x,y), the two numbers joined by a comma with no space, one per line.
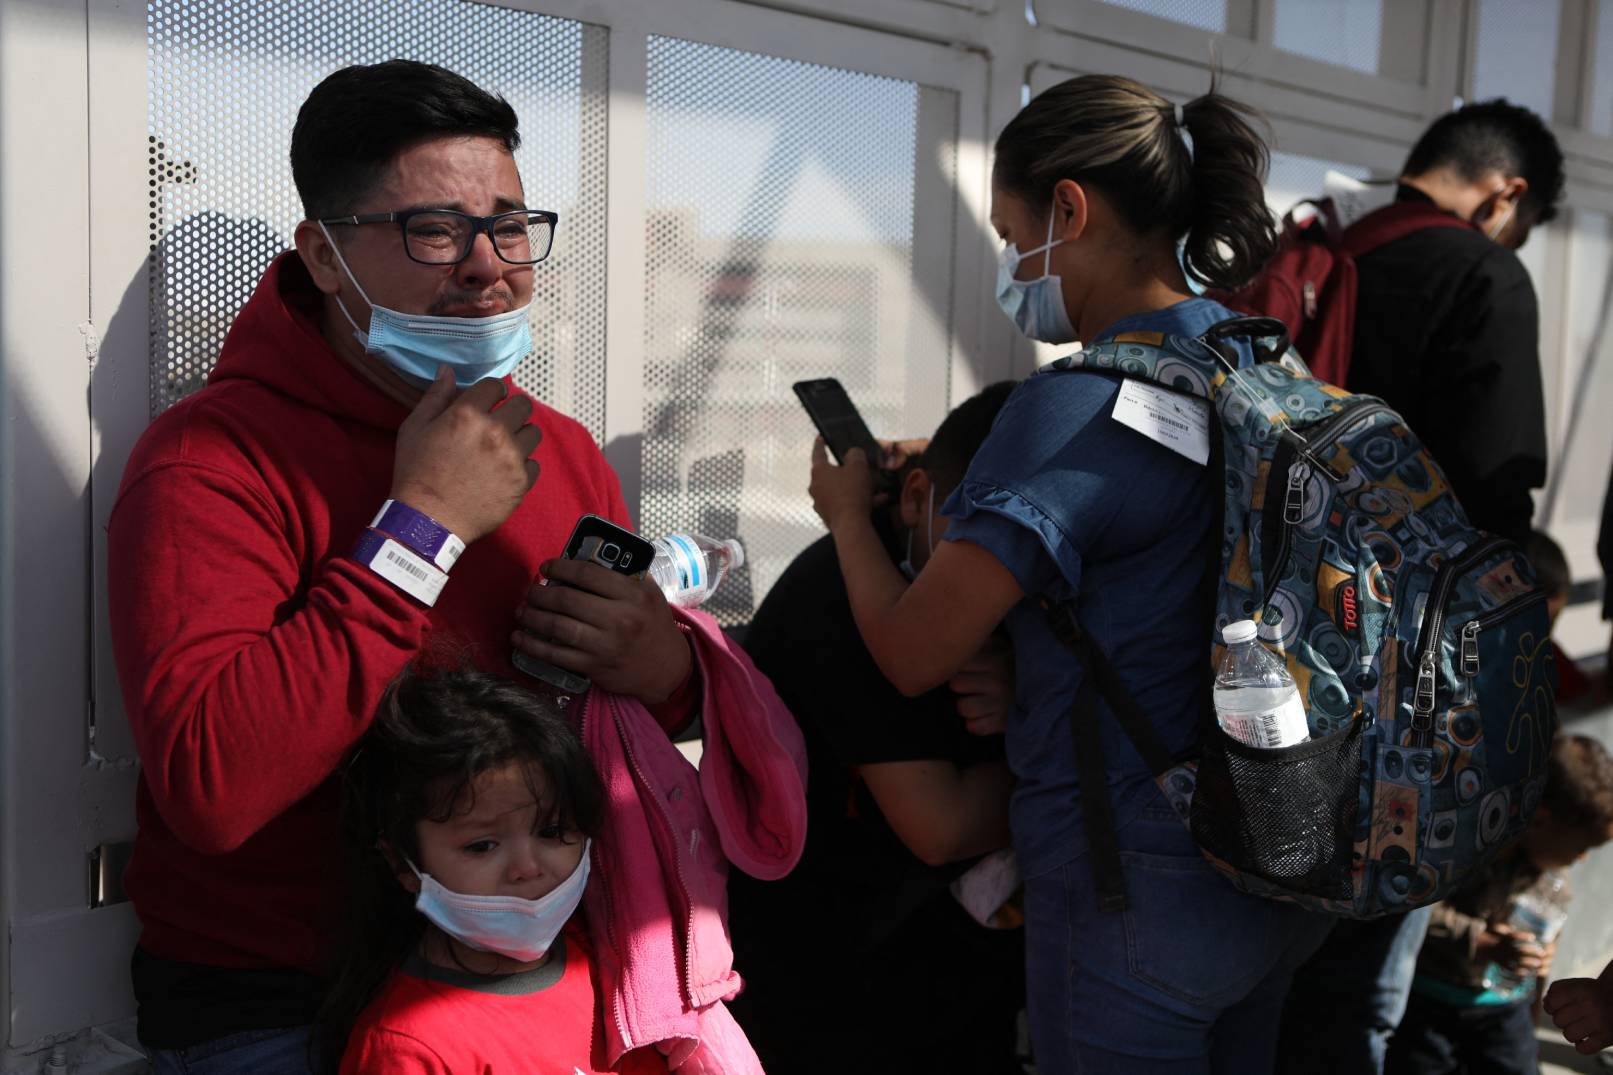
(1582,1008)
(1515,950)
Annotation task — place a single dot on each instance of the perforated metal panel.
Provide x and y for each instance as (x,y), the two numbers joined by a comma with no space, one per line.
(1344,32)
(1516,55)
(224,81)
(782,230)
(1599,118)
(1294,178)
(1205,14)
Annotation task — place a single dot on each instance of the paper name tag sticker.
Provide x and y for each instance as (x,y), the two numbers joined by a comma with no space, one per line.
(1181,423)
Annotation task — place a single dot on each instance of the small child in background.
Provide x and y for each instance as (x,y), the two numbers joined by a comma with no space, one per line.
(1551,569)
(468,809)
(1463,1016)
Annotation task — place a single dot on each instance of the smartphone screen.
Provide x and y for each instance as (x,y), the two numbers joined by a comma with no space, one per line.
(841,427)
(608,545)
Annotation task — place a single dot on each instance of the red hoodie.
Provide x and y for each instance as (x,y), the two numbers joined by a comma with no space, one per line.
(252,651)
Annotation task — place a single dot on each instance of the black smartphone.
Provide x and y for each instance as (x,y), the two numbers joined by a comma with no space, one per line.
(837,419)
(608,545)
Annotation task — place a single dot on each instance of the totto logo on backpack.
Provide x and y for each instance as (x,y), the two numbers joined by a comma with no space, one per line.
(1309,284)
(1420,647)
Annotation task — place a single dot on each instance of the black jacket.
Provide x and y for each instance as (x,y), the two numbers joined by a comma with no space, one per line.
(1447,332)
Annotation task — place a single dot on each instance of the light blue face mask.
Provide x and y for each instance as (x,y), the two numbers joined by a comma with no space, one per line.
(414,345)
(1036,307)
(522,930)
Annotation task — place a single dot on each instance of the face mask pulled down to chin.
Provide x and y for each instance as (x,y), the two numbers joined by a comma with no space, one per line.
(415,345)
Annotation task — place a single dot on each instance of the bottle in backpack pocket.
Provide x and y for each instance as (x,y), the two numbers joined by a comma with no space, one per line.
(689,567)
(1256,700)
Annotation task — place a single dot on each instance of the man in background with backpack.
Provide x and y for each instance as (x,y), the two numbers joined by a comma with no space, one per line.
(1446,331)
(1447,325)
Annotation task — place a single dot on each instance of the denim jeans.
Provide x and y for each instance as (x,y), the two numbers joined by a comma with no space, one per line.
(1188,980)
(250,1052)
(1349,997)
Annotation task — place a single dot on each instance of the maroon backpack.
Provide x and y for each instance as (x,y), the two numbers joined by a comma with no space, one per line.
(1309,285)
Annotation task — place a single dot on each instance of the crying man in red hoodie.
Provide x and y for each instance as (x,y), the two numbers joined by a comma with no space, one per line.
(359,476)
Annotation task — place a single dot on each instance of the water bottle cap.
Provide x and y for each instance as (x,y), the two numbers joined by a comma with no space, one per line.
(1239,631)
(736,553)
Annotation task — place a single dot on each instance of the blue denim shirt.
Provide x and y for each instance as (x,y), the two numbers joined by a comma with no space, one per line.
(1077,505)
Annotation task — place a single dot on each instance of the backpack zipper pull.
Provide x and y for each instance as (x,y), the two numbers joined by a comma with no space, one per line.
(1294,499)
(1427,681)
(1310,300)
(1470,649)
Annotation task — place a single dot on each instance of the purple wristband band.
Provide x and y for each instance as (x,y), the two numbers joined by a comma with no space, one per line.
(399,565)
(419,532)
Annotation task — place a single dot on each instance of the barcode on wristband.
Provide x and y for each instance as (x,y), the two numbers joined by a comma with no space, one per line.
(418,572)
(408,572)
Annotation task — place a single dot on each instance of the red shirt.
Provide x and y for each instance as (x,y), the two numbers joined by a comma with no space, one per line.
(250,649)
(429,1020)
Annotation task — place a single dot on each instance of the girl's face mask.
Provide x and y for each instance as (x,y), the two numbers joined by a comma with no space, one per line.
(519,929)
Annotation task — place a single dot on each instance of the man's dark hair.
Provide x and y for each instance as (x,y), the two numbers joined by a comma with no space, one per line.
(961,433)
(358,119)
(1579,784)
(1495,136)
(1551,566)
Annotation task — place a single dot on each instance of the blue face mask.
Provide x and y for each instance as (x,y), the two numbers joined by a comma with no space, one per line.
(522,930)
(414,345)
(1036,307)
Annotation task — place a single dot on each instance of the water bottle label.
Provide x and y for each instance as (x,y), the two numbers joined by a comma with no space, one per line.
(688,560)
(1270,728)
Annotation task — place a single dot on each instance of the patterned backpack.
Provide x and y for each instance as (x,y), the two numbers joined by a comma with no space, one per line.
(1419,645)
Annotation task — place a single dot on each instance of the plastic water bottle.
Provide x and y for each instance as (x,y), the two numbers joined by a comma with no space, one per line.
(690,567)
(1256,700)
(1540,912)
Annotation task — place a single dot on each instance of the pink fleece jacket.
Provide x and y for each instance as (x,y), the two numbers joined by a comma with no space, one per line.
(657,900)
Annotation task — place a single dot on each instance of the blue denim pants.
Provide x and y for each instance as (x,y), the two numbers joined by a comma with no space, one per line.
(1188,980)
(1349,997)
(251,1052)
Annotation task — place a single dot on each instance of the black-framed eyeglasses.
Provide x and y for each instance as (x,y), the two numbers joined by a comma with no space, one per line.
(445,236)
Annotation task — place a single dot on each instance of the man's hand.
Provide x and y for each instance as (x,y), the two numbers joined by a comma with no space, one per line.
(985,688)
(617,631)
(839,492)
(463,462)
(1582,1008)
(1518,952)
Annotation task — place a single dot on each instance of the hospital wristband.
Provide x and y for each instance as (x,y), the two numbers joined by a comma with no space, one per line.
(417,577)
(419,532)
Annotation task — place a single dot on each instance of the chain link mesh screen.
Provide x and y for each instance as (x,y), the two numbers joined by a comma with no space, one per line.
(224,81)
(782,237)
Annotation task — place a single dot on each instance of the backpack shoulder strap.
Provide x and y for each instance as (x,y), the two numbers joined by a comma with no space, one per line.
(1383,226)
(1099,679)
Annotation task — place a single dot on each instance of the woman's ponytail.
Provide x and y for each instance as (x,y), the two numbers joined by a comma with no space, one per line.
(1232,234)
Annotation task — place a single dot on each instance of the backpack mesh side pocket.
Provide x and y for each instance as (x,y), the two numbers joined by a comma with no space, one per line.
(1285,815)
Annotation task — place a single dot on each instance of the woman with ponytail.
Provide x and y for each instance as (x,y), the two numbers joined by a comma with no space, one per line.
(1107,197)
